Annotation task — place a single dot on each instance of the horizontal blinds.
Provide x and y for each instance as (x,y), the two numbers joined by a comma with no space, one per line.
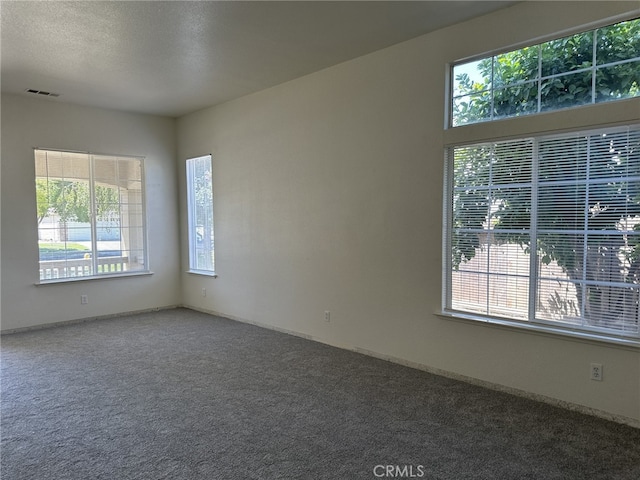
(90,211)
(577,199)
(588,230)
(490,227)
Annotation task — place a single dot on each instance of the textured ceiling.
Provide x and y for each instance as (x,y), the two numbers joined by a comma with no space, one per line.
(175,57)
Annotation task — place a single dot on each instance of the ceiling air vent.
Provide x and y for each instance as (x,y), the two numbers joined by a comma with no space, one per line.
(42,92)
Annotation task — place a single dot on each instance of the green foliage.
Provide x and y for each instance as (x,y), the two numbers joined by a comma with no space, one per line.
(71,200)
(557,74)
(67,199)
(61,246)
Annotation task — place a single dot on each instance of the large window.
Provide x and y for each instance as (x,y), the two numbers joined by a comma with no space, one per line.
(591,67)
(91,218)
(200,215)
(546,230)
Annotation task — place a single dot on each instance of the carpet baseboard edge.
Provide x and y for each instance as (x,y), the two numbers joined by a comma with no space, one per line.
(42,326)
(594,412)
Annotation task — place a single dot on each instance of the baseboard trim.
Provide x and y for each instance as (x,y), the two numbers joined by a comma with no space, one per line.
(43,326)
(400,361)
(252,322)
(594,412)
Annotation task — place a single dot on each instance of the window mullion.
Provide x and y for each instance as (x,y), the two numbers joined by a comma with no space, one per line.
(539,99)
(493,87)
(585,233)
(533,235)
(593,66)
(489,272)
(92,217)
(447,216)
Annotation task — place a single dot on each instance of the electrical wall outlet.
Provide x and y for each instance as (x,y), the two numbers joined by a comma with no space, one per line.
(84,299)
(327,316)
(596,372)
(204,292)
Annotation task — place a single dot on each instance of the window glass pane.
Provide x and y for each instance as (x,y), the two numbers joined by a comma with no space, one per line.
(471,165)
(610,205)
(63,206)
(613,308)
(566,91)
(510,212)
(134,260)
(130,169)
(508,294)
(562,207)
(557,301)
(518,66)
(464,247)
(618,42)
(491,218)
(516,100)
(469,292)
(614,166)
(472,108)
(618,81)
(562,159)
(567,54)
(200,213)
(595,266)
(559,253)
(105,169)
(472,77)
(512,162)
(591,307)
(131,191)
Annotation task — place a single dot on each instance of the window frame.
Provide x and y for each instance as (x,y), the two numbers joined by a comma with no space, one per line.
(191,224)
(92,180)
(531,323)
(540,79)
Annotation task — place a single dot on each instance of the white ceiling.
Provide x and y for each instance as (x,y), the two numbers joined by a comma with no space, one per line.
(175,57)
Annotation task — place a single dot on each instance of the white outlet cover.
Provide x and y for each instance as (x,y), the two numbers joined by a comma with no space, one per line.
(596,372)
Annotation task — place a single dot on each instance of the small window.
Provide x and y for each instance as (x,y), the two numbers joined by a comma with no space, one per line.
(200,215)
(590,67)
(91,215)
(546,230)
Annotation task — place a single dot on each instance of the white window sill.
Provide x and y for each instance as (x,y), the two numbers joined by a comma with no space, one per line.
(541,329)
(56,281)
(205,273)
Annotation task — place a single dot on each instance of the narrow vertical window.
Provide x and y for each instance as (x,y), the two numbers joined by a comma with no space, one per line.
(200,215)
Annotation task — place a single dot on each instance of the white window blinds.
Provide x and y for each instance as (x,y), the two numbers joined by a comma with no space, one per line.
(576,198)
(91,215)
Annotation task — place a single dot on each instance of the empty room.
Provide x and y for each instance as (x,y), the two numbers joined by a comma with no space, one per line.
(320,240)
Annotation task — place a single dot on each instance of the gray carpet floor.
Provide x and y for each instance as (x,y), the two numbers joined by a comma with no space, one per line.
(178,394)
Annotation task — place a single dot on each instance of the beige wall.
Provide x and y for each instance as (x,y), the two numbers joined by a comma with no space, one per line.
(328,196)
(28,123)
